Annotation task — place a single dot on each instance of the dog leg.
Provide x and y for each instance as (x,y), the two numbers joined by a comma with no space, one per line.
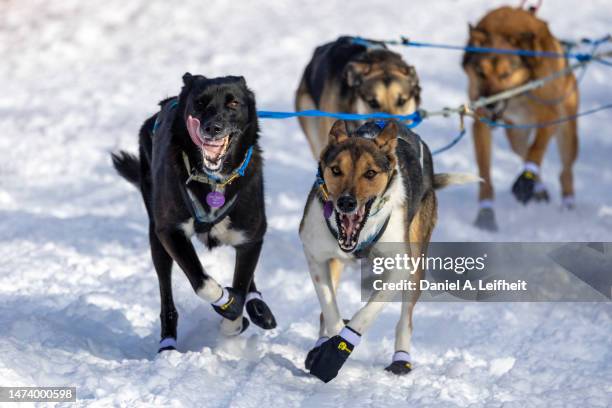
(168,316)
(482,144)
(400,363)
(567,142)
(330,321)
(525,185)
(519,142)
(419,235)
(321,276)
(329,357)
(247,256)
(226,302)
(335,271)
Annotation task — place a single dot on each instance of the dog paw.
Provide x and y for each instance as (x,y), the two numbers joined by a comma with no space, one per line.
(399,367)
(568,202)
(540,193)
(332,354)
(167,344)
(311,356)
(234,327)
(485,220)
(230,304)
(524,186)
(259,312)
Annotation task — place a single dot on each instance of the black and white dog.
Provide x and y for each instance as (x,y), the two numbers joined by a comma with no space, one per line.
(200,172)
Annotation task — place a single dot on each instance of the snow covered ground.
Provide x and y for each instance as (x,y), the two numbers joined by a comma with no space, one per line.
(78,295)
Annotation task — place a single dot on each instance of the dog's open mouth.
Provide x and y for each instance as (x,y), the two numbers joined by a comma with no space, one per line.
(213,149)
(350,226)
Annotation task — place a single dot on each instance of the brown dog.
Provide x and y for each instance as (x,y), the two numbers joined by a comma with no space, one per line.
(375,186)
(348,76)
(515,28)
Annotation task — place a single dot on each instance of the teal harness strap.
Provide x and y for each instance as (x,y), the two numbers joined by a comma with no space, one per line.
(171,105)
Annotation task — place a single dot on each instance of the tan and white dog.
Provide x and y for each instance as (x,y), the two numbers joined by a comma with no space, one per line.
(354,76)
(515,28)
(374,186)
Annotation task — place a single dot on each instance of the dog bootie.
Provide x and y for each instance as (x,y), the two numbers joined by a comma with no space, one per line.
(401,363)
(230,304)
(313,353)
(167,344)
(333,353)
(525,185)
(485,220)
(259,312)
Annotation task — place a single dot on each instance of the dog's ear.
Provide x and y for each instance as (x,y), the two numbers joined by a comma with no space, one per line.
(338,132)
(187,78)
(408,70)
(354,73)
(387,138)
(477,35)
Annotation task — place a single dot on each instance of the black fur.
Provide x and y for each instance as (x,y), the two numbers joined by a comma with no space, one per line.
(128,166)
(160,174)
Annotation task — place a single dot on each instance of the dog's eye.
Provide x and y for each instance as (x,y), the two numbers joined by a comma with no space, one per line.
(336,171)
(373,104)
(479,71)
(401,101)
(233,104)
(370,174)
(200,104)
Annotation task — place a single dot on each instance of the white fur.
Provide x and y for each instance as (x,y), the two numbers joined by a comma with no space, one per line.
(411,106)
(517,111)
(210,291)
(362,107)
(220,231)
(187,228)
(227,235)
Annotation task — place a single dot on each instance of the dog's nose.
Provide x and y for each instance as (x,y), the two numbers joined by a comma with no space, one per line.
(347,204)
(213,129)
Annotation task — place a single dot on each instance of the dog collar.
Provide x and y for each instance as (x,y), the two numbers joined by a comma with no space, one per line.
(212,179)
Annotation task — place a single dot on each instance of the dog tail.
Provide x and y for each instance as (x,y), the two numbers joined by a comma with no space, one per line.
(442,180)
(128,166)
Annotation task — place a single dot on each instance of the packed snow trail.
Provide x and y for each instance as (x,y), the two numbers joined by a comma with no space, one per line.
(79,300)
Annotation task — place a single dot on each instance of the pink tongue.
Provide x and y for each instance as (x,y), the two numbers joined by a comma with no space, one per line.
(193,127)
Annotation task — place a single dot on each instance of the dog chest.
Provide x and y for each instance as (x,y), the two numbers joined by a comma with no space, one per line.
(222,233)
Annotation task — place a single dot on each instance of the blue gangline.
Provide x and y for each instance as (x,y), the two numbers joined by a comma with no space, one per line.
(524,53)
(545,124)
(415,117)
